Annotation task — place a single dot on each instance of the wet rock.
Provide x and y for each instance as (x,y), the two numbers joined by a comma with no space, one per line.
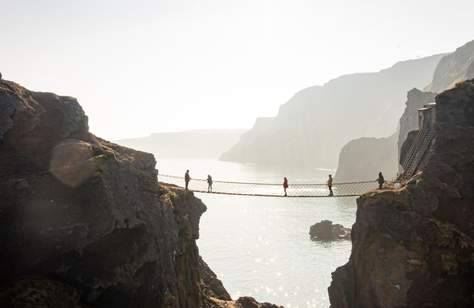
(327,231)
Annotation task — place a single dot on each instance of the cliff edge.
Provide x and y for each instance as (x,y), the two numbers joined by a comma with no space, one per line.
(84,222)
(414,247)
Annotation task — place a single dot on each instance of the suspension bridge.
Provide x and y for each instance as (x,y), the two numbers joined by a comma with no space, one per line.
(258,189)
(413,159)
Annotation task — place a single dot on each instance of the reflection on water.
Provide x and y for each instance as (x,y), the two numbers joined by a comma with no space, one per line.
(260,247)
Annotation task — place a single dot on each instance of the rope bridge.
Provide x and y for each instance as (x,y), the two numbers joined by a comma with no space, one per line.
(299,190)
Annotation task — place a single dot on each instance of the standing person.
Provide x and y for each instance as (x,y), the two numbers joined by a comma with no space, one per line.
(285,185)
(209,183)
(187,178)
(329,182)
(381,180)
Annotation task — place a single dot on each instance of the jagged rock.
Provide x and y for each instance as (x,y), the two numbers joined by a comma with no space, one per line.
(212,286)
(414,246)
(250,302)
(87,217)
(327,231)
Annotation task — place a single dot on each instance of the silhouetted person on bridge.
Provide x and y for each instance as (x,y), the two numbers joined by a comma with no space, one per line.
(380,180)
(209,183)
(329,182)
(285,185)
(187,178)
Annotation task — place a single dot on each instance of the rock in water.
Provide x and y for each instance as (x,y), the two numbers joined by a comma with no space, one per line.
(327,231)
(414,247)
(83,222)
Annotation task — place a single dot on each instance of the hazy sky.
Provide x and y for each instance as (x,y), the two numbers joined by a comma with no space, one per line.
(147,66)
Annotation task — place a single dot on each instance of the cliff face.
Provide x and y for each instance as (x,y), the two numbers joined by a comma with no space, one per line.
(416,99)
(455,67)
(83,221)
(414,247)
(310,129)
(355,159)
(362,159)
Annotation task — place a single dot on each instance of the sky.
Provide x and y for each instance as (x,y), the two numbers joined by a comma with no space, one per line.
(139,67)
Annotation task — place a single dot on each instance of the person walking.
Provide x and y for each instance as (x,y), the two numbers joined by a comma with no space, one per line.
(187,179)
(329,182)
(380,180)
(285,185)
(209,183)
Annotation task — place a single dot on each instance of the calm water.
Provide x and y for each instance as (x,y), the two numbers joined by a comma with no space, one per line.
(260,247)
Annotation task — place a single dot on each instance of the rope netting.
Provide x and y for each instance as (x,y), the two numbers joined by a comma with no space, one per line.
(300,190)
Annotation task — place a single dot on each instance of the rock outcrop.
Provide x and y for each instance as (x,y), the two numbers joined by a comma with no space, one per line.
(313,126)
(211,285)
(84,222)
(414,247)
(362,159)
(87,213)
(327,231)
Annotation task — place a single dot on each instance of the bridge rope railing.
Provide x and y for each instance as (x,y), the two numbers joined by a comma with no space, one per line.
(261,189)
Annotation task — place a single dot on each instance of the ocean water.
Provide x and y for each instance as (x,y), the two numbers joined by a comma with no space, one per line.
(259,246)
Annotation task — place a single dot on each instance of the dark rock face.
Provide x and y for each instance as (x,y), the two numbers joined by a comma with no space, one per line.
(414,247)
(327,231)
(86,217)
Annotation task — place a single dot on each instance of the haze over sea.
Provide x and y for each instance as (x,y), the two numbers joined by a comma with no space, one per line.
(260,247)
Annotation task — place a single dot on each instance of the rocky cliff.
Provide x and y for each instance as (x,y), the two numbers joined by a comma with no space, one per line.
(84,222)
(356,158)
(311,128)
(414,247)
(361,158)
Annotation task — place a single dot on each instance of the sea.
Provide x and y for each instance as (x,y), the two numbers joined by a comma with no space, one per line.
(260,246)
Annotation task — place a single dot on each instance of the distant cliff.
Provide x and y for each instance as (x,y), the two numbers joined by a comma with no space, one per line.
(84,222)
(416,99)
(453,68)
(414,247)
(362,159)
(194,143)
(311,128)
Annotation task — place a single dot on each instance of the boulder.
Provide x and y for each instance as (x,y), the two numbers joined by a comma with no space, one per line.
(327,231)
